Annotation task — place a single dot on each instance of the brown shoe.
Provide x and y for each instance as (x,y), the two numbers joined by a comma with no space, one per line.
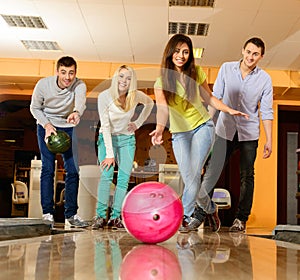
(214,220)
(116,224)
(98,223)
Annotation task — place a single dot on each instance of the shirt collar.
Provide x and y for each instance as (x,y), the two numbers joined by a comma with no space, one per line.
(237,67)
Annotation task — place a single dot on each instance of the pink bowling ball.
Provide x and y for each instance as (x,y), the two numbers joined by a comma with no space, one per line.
(152,212)
(150,262)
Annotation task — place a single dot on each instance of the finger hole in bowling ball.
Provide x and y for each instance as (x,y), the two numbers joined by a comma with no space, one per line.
(152,195)
(160,196)
(156,217)
(154,272)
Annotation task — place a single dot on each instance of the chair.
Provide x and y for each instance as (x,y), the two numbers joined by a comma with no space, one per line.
(170,175)
(19,199)
(222,198)
(19,192)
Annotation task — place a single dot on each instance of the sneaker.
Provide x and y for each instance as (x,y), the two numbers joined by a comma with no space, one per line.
(116,224)
(75,222)
(48,219)
(98,223)
(214,221)
(199,213)
(238,226)
(189,224)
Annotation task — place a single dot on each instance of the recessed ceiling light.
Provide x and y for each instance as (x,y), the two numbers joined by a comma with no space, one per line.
(10,141)
(24,21)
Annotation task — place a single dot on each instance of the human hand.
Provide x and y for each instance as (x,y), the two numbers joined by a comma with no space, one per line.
(267,150)
(49,129)
(156,137)
(132,127)
(107,163)
(74,118)
(233,112)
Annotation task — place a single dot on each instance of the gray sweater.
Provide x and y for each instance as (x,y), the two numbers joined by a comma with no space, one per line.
(49,103)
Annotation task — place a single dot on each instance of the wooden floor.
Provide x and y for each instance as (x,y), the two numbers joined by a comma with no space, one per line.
(87,254)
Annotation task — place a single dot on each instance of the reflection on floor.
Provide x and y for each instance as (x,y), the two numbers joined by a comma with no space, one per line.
(87,254)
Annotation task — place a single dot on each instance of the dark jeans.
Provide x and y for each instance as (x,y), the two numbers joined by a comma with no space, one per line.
(221,153)
(48,169)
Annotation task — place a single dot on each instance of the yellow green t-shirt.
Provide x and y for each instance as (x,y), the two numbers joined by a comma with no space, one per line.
(184,118)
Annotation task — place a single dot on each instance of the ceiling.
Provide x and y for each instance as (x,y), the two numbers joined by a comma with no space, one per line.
(136,31)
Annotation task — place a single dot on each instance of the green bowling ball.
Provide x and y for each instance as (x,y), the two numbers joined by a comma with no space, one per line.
(58,143)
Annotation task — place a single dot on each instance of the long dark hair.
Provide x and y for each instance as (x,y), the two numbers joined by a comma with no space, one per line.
(169,73)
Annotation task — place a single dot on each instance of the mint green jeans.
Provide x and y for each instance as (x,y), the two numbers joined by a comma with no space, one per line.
(124,150)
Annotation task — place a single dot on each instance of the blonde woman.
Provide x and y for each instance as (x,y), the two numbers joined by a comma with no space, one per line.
(116,142)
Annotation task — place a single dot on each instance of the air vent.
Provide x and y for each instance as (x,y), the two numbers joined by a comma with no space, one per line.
(41,45)
(197,29)
(192,3)
(24,21)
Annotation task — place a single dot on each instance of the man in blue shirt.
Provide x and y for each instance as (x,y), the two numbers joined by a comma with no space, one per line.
(243,86)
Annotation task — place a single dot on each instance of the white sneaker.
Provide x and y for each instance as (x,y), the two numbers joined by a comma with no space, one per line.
(48,219)
(75,222)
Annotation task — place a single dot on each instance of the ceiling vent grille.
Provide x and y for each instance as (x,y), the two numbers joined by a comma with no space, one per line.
(192,3)
(24,21)
(197,29)
(41,45)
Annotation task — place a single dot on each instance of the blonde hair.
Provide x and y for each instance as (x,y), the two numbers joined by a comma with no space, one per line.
(114,88)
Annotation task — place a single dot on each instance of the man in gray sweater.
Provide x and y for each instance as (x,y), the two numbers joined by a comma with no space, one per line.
(57,103)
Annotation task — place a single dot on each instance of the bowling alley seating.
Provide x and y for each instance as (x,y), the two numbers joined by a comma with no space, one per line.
(19,198)
(222,198)
(170,175)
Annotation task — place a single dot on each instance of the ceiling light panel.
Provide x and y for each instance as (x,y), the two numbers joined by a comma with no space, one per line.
(24,21)
(197,29)
(192,3)
(41,45)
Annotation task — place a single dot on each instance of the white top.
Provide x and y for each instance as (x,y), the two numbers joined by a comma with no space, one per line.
(114,120)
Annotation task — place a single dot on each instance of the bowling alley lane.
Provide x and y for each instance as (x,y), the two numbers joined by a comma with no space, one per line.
(87,254)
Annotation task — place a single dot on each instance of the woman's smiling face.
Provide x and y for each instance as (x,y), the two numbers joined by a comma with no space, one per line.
(124,80)
(180,56)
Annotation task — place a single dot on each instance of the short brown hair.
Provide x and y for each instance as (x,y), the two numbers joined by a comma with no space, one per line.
(66,61)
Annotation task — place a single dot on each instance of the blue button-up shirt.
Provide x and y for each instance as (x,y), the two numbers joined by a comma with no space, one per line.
(252,95)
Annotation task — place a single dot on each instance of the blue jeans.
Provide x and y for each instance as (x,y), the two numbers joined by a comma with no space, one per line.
(222,151)
(124,150)
(70,159)
(191,150)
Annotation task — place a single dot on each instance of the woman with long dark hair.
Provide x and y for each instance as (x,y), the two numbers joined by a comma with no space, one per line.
(180,94)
